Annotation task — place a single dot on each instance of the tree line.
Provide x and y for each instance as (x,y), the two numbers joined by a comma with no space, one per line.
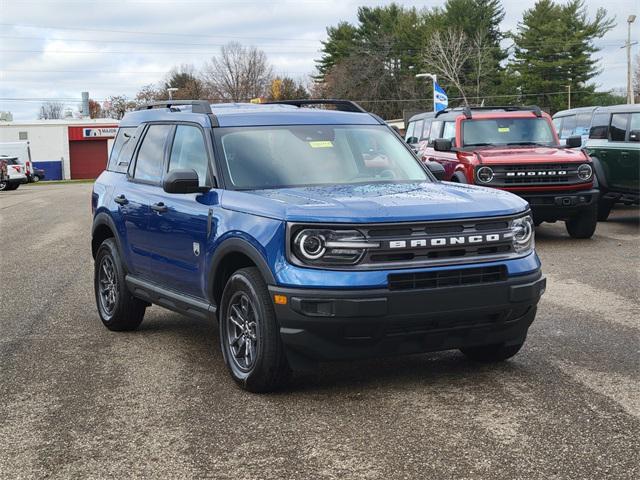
(375,61)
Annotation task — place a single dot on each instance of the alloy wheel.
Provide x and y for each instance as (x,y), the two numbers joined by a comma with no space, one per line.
(108,285)
(242,332)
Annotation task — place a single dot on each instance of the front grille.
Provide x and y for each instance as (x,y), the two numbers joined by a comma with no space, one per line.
(534,174)
(412,244)
(446,278)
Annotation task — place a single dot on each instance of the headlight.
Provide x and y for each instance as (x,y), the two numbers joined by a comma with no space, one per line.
(523,233)
(330,247)
(585,171)
(484,174)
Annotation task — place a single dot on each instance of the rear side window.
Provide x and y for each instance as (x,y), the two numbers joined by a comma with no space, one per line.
(436,129)
(634,128)
(426,130)
(449,131)
(151,154)
(599,126)
(583,122)
(189,152)
(118,160)
(410,130)
(618,128)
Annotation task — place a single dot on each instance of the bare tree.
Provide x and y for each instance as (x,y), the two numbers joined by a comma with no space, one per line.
(116,106)
(238,74)
(481,59)
(446,53)
(636,80)
(51,111)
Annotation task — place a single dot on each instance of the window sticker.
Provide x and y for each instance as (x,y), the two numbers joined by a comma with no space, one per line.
(503,129)
(321,144)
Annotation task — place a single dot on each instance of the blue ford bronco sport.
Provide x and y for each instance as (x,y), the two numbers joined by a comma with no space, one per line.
(311,234)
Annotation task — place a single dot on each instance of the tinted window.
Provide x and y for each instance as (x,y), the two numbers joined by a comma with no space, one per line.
(285,156)
(634,128)
(189,152)
(618,127)
(123,138)
(417,130)
(150,156)
(568,126)
(599,126)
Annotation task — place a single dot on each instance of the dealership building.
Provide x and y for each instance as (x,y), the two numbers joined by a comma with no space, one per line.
(65,149)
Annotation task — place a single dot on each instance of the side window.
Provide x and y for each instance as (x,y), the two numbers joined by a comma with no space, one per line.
(449,132)
(426,130)
(618,128)
(409,132)
(599,126)
(124,142)
(568,126)
(151,154)
(583,121)
(436,130)
(417,130)
(189,152)
(634,128)
(557,124)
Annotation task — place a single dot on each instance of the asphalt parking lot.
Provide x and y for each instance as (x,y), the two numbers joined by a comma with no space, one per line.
(79,401)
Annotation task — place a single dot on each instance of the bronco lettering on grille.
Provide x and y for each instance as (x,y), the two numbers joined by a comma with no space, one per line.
(448,241)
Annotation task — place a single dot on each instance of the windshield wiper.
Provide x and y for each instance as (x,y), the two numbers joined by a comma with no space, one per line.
(538,144)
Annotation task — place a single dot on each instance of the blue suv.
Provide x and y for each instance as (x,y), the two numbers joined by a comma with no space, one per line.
(310,234)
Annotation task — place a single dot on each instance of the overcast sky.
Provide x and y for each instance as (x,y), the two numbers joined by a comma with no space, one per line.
(54,49)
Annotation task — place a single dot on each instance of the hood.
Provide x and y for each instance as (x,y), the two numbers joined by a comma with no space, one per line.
(376,202)
(529,155)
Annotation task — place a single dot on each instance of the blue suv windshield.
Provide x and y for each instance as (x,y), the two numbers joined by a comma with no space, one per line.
(308,155)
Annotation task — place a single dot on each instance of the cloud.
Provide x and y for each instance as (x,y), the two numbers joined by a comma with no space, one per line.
(118,46)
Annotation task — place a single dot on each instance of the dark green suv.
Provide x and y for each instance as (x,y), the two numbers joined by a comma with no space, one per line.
(614,146)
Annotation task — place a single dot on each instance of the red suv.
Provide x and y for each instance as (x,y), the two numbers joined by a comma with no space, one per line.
(515,149)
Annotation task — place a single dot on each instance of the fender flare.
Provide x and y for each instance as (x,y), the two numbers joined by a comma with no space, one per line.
(599,173)
(238,245)
(104,219)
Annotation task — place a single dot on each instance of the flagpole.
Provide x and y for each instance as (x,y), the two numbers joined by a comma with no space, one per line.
(433,77)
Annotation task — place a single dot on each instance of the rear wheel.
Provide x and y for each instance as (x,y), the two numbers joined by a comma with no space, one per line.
(492,353)
(249,333)
(118,309)
(3,186)
(583,225)
(36,178)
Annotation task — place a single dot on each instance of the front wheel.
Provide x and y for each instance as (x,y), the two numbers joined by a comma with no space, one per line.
(3,186)
(492,353)
(36,178)
(118,309)
(583,225)
(249,333)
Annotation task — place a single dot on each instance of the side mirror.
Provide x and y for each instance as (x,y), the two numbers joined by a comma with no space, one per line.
(436,169)
(634,136)
(412,140)
(442,145)
(573,142)
(181,181)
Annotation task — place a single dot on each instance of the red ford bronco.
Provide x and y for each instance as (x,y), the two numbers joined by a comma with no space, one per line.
(515,149)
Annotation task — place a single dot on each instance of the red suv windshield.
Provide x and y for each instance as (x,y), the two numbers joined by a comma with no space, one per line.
(506,131)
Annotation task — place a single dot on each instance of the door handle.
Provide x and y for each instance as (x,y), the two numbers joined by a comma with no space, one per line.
(121,200)
(159,207)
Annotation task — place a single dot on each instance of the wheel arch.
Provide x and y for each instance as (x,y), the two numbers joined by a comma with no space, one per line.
(231,255)
(103,227)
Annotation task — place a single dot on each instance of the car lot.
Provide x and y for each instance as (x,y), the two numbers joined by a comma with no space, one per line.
(79,401)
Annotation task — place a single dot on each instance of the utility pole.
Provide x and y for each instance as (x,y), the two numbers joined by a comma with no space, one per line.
(568,96)
(435,81)
(630,20)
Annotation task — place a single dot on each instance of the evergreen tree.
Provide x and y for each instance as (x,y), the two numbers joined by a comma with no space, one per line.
(553,49)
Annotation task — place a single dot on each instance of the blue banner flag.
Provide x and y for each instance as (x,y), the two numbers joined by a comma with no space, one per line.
(440,99)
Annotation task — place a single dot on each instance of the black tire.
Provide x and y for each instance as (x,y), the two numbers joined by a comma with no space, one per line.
(36,178)
(583,225)
(118,309)
(492,353)
(246,302)
(604,209)
(3,186)
(458,177)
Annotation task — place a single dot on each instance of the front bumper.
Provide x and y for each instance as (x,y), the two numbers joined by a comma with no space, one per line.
(344,324)
(562,205)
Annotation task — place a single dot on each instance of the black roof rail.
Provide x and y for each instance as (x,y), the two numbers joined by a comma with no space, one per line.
(342,105)
(468,111)
(197,106)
